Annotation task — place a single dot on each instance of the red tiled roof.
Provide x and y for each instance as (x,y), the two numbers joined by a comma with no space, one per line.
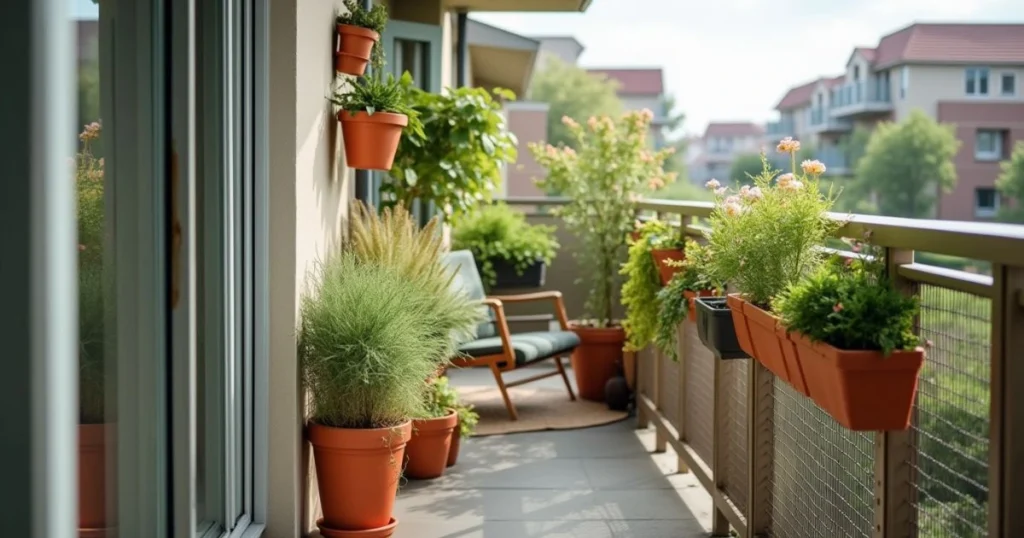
(635,81)
(952,43)
(721,128)
(801,95)
(867,52)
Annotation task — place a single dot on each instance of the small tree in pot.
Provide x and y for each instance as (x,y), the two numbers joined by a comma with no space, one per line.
(611,168)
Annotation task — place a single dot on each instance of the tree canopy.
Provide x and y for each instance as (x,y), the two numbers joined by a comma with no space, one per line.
(905,164)
(572,91)
(1011,185)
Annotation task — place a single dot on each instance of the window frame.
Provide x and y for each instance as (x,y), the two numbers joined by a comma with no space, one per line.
(973,77)
(1003,77)
(986,212)
(904,81)
(998,140)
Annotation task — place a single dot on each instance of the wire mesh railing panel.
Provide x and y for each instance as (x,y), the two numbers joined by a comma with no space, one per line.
(951,428)
(732,386)
(699,393)
(668,383)
(822,482)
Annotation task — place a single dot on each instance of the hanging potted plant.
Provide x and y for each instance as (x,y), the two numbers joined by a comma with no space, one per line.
(373,112)
(365,378)
(667,251)
(358,40)
(509,252)
(609,169)
(677,301)
(852,331)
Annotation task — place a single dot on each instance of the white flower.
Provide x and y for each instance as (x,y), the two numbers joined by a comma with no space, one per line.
(713,184)
(721,190)
(754,194)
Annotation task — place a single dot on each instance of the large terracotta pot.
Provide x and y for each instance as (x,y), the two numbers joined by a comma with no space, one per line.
(661,257)
(862,390)
(691,299)
(380,532)
(429,446)
(355,46)
(371,140)
(453,450)
(357,471)
(596,359)
(92,481)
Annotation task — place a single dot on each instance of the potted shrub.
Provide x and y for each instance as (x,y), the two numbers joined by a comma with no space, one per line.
(677,301)
(455,162)
(359,33)
(377,320)
(432,433)
(854,340)
(373,112)
(640,288)
(611,167)
(762,239)
(509,252)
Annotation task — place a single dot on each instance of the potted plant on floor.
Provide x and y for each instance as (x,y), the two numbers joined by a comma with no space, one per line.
(854,340)
(432,434)
(642,284)
(359,33)
(677,301)
(373,112)
(764,238)
(509,252)
(377,320)
(611,167)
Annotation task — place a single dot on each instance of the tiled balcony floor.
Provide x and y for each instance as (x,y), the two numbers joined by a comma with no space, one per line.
(592,483)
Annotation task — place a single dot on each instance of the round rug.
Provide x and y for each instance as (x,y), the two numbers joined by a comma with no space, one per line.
(539,409)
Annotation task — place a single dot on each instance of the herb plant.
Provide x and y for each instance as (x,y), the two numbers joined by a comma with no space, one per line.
(765,237)
(498,232)
(376,18)
(673,307)
(611,167)
(377,93)
(640,290)
(441,397)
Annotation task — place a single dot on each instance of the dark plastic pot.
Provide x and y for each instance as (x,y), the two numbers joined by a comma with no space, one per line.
(508,278)
(715,328)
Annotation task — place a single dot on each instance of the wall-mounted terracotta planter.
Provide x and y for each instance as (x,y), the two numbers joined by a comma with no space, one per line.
(371,140)
(357,472)
(355,46)
(862,390)
(428,448)
(691,299)
(663,255)
(596,359)
(717,329)
(92,480)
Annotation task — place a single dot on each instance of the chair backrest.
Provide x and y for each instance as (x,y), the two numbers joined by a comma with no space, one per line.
(467,278)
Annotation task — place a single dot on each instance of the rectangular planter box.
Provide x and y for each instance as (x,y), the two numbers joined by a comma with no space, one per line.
(716,329)
(507,278)
(692,303)
(769,344)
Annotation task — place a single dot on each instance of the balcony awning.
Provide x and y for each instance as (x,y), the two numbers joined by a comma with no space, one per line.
(500,58)
(518,5)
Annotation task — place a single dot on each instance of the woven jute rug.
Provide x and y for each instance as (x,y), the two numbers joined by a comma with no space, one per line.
(539,408)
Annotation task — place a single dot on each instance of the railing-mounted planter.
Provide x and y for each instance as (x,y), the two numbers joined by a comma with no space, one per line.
(763,340)
(716,328)
(691,299)
(371,140)
(661,257)
(507,277)
(355,46)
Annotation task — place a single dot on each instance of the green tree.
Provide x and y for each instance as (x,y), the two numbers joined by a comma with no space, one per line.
(905,164)
(854,146)
(745,167)
(1011,185)
(572,91)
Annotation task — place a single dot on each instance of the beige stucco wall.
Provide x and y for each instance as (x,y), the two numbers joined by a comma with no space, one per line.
(929,84)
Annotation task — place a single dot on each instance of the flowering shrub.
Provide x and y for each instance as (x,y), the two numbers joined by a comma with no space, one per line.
(640,290)
(673,307)
(765,236)
(611,168)
(89,187)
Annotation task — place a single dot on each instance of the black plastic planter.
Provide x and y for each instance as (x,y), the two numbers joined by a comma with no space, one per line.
(508,278)
(715,328)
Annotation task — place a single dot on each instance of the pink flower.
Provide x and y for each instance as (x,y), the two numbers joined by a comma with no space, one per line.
(788,145)
(733,200)
(813,167)
(592,123)
(929,343)
(713,184)
(838,307)
(720,191)
(569,122)
(756,194)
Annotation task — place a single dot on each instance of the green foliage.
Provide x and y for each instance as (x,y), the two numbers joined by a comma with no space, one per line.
(455,161)
(640,290)
(572,92)
(850,305)
(91,309)
(745,167)
(441,397)
(612,168)
(673,307)
(498,232)
(766,237)
(375,19)
(855,145)
(906,164)
(1011,185)
(377,93)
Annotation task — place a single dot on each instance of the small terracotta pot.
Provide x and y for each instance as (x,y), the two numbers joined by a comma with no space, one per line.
(691,297)
(380,532)
(349,64)
(868,391)
(596,359)
(739,321)
(357,472)
(794,367)
(371,140)
(92,480)
(428,449)
(356,43)
(453,450)
(661,256)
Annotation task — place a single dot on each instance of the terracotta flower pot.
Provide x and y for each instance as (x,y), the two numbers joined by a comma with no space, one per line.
(92,480)
(691,299)
(428,449)
(357,472)
(380,532)
(663,255)
(739,321)
(596,359)
(794,367)
(371,140)
(764,338)
(356,43)
(349,64)
(867,390)
(453,450)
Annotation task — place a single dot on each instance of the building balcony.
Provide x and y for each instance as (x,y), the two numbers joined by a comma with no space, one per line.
(780,129)
(864,97)
(821,121)
(835,160)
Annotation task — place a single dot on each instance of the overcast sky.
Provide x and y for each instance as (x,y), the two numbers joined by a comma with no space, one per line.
(734,59)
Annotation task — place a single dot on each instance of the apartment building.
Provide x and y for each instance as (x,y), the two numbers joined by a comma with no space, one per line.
(964,74)
(639,89)
(712,155)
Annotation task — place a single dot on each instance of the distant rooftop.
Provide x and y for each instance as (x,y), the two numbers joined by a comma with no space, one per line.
(951,43)
(801,95)
(639,81)
(740,128)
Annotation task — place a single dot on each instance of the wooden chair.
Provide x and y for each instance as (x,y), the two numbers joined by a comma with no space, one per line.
(500,350)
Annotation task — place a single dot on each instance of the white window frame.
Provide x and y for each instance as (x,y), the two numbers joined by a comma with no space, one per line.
(976,75)
(996,153)
(1002,78)
(904,81)
(986,212)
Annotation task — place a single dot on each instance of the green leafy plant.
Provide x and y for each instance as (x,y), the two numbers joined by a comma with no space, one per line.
(611,168)
(441,397)
(91,311)
(498,232)
(851,305)
(1011,185)
(456,160)
(376,18)
(673,307)
(640,289)
(377,93)
(766,236)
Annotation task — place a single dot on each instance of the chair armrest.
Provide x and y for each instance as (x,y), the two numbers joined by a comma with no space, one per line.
(501,322)
(553,296)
